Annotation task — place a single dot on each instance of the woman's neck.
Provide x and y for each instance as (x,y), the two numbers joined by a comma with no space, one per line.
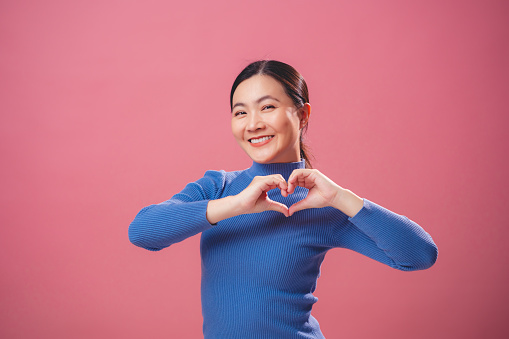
(283,168)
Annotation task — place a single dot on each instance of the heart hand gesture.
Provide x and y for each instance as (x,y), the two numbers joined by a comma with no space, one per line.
(322,192)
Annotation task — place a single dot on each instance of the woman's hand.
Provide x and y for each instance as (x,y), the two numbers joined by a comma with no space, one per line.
(323,192)
(253,199)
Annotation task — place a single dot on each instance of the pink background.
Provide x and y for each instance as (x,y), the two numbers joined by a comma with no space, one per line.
(107,107)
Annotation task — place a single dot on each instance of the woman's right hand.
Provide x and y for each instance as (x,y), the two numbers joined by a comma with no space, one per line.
(253,199)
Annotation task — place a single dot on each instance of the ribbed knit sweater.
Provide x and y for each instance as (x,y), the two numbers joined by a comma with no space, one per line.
(259,271)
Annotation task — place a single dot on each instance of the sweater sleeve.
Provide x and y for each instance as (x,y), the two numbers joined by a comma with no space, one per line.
(160,225)
(385,236)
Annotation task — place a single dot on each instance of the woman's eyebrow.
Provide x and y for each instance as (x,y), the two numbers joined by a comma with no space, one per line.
(265,97)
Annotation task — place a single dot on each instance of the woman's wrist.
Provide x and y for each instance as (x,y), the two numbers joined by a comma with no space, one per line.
(223,208)
(348,202)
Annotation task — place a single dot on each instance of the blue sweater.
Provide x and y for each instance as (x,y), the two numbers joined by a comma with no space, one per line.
(259,271)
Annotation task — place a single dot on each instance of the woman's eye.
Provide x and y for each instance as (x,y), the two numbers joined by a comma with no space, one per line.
(239,113)
(267,107)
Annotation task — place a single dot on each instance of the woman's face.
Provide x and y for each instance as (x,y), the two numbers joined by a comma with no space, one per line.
(265,122)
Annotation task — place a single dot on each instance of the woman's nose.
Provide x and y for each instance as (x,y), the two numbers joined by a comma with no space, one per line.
(255,122)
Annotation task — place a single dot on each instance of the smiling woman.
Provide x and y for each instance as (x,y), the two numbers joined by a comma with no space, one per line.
(266,230)
(265,121)
(278,76)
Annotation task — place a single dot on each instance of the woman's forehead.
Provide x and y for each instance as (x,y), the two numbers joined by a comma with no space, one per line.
(251,90)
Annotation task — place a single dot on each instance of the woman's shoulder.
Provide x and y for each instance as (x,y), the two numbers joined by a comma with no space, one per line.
(222,176)
(217,182)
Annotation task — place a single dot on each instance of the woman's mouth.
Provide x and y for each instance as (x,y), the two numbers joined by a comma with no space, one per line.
(261,140)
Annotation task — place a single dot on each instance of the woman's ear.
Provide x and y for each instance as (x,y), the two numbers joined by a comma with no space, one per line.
(304,114)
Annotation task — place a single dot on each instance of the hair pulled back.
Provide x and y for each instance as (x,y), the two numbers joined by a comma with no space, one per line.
(291,80)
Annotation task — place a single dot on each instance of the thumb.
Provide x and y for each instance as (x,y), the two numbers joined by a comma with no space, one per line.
(298,206)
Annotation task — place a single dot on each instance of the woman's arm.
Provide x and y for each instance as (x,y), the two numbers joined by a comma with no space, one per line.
(384,236)
(160,225)
(365,227)
(198,207)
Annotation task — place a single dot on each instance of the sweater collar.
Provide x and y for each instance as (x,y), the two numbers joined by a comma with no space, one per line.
(285,168)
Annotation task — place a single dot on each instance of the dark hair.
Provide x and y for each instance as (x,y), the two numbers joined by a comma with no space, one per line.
(291,80)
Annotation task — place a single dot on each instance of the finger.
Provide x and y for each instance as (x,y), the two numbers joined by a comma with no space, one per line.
(275,181)
(291,187)
(284,189)
(291,181)
(299,206)
(278,207)
(270,182)
(283,186)
(298,178)
(284,192)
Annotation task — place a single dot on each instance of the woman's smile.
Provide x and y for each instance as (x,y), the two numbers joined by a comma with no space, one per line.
(260,141)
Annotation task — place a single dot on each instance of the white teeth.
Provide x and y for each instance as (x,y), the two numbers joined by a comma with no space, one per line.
(255,141)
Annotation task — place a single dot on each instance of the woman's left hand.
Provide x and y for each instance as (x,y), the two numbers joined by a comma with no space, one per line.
(323,192)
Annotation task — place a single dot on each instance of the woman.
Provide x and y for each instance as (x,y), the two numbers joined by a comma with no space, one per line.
(266,229)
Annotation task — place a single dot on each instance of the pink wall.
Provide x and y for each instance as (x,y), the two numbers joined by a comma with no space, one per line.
(107,107)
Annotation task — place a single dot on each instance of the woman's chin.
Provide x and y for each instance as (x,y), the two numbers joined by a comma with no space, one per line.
(273,157)
(261,160)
